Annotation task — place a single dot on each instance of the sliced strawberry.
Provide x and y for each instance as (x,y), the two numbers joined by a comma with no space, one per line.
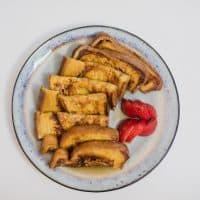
(138,109)
(139,127)
(129,129)
(149,127)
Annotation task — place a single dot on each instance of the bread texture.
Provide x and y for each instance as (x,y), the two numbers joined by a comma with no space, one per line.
(73,86)
(46,124)
(99,153)
(96,71)
(69,120)
(89,104)
(49,143)
(48,101)
(80,134)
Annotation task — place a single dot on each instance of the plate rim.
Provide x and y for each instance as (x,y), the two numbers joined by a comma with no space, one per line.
(176,91)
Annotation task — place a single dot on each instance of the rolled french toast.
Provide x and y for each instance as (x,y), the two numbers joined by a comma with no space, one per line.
(104,41)
(115,60)
(92,154)
(95,71)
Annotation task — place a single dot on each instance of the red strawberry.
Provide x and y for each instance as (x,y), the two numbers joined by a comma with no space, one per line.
(149,127)
(130,128)
(138,109)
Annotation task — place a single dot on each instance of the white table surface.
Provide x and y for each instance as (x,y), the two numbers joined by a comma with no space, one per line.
(171,27)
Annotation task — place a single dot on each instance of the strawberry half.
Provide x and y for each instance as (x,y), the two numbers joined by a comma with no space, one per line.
(149,127)
(130,128)
(144,120)
(138,109)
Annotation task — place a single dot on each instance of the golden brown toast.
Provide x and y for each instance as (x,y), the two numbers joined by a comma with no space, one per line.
(48,101)
(79,134)
(49,143)
(92,154)
(99,153)
(76,67)
(104,41)
(46,124)
(59,158)
(115,60)
(95,71)
(73,86)
(69,120)
(89,104)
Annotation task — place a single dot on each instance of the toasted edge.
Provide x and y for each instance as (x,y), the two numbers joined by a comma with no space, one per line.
(53,119)
(49,143)
(44,97)
(81,119)
(79,134)
(64,84)
(131,52)
(59,158)
(105,150)
(78,67)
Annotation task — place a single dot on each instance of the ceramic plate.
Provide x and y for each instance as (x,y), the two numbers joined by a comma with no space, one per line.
(145,152)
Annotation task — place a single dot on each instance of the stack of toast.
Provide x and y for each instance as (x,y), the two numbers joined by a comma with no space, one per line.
(72,117)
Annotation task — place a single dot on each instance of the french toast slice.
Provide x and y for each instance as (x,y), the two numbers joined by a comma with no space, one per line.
(59,158)
(115,60)
(49,143)
(95,71)
(89,104)
(72,86)
(71,67)
(99,153)
(67,120)
(48,101)
(106,42)
(79,134)
(92,154)
(46,124)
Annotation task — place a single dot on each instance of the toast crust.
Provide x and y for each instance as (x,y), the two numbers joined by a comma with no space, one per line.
(46,124)
(49,143)
(105,41)
(113,59)
(76,67)
(80,134)
(99,153)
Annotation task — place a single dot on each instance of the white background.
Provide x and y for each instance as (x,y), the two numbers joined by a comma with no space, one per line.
(171,27)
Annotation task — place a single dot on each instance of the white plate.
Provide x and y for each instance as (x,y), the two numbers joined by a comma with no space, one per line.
(145,152)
